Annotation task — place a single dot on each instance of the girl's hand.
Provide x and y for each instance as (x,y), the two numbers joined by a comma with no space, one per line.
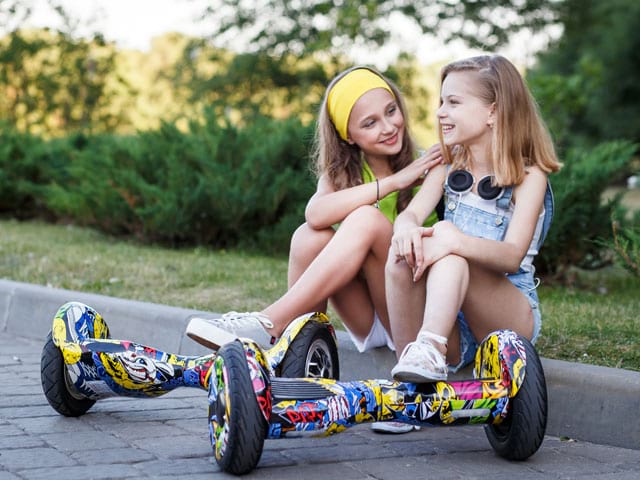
(417,169)
(442,241)
(407,244)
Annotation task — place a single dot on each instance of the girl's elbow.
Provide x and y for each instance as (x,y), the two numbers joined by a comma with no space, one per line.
(513,264)
(513,268)
(313,224)
(315,221)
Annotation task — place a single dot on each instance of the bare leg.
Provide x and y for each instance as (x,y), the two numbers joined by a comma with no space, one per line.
(447,284)
(306,245)
(493,302)
(405,301)
(488,299)
(353,302)
(360,244)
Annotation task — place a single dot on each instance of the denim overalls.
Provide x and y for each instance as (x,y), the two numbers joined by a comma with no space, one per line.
(479,223)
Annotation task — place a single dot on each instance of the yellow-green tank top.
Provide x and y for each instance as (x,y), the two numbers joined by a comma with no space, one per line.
(389,205)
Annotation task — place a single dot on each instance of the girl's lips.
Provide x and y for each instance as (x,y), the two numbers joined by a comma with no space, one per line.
(446,129)
(391,140)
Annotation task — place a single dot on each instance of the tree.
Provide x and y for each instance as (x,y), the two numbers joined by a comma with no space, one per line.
(598,57)
(288,51)
(303,27)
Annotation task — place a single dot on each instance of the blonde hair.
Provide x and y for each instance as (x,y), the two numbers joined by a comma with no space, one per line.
(520,137)
(343,162)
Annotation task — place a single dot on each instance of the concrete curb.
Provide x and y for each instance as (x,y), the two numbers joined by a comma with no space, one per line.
(586,402)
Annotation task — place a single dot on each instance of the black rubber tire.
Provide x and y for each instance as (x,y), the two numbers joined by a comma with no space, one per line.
(313,353)
(53,375)
(247,426)
(520,434)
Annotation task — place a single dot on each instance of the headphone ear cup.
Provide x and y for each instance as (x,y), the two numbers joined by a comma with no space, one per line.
(460,181)
(488,191)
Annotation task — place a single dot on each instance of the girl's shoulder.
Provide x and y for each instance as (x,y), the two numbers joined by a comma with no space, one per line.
(533,186)
(534,173)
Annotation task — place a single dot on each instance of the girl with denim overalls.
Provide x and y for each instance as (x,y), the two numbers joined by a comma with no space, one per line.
(450,285)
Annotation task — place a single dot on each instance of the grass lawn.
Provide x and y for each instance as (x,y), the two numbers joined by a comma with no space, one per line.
(594,321)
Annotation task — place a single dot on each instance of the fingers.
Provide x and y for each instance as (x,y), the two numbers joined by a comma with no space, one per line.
(418,271)
(416,241)
(431,158)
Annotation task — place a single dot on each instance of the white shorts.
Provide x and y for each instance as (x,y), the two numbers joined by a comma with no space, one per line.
(378,337)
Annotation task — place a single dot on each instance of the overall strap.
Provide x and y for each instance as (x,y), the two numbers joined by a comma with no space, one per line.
(505,200)
(549,206)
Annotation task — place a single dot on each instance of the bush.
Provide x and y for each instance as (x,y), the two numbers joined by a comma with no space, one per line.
(18,172)
(625,244)
(215,184)
(581,217)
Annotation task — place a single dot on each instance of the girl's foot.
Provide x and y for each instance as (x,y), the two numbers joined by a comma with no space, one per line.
(215,332)
(421,361)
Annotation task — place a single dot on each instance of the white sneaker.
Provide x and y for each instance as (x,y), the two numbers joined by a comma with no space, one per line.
(217,331)
(421,361)
(393,427)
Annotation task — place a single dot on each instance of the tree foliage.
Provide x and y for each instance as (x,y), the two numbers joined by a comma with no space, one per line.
(289,50)
(598,57)
(305,27)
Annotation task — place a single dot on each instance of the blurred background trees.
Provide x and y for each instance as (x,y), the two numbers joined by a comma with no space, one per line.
(205,140)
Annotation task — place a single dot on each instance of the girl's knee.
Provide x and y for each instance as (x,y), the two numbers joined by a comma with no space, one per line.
(452,262)
(306,239)
(397,271)
(367,219)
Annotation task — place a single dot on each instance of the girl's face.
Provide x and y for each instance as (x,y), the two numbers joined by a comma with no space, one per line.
(376,124)
(464,117)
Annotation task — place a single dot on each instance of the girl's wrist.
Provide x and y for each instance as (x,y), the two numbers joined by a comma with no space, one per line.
(386,186)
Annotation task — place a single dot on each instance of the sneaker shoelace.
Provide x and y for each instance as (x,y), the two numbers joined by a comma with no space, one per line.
(241,319)
(416,353)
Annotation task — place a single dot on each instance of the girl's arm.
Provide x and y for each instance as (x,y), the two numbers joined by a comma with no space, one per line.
(501,256)
(406,243)
(329,206)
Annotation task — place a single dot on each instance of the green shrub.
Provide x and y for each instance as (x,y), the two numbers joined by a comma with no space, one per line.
(625,244)
(18,172)
(216,184)
(581,217)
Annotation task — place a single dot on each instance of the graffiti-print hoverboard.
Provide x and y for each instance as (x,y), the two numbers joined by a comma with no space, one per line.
(81,364)
(248,404)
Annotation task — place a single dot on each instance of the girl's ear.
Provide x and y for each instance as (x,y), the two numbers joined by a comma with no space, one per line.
(491,120)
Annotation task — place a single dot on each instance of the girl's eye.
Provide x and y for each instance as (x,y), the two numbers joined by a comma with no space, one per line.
(368,124)
(392,110)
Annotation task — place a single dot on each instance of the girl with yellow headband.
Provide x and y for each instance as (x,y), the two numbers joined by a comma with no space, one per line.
(365,162)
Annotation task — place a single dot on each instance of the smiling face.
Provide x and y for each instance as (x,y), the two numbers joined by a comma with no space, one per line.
(463,115)
(376,124)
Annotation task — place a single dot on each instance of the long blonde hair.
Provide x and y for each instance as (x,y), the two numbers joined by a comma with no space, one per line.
(520,137)
(343,162)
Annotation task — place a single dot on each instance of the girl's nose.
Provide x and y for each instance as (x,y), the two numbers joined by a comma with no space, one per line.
(388,125)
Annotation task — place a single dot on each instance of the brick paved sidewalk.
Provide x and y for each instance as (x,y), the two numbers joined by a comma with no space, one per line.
(167,438)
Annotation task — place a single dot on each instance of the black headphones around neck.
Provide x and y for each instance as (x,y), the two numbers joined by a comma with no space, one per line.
(461,181)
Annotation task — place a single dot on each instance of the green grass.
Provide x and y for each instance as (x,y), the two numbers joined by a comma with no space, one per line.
(82,259)
(594,321)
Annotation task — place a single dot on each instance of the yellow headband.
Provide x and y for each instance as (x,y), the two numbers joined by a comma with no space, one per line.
(346,92)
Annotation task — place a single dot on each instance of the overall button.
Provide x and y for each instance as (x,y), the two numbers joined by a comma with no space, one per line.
(451,205)
(498,221)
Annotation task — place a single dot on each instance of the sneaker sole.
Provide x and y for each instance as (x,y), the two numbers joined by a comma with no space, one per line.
(393,427)
(416,375)
(204,333)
